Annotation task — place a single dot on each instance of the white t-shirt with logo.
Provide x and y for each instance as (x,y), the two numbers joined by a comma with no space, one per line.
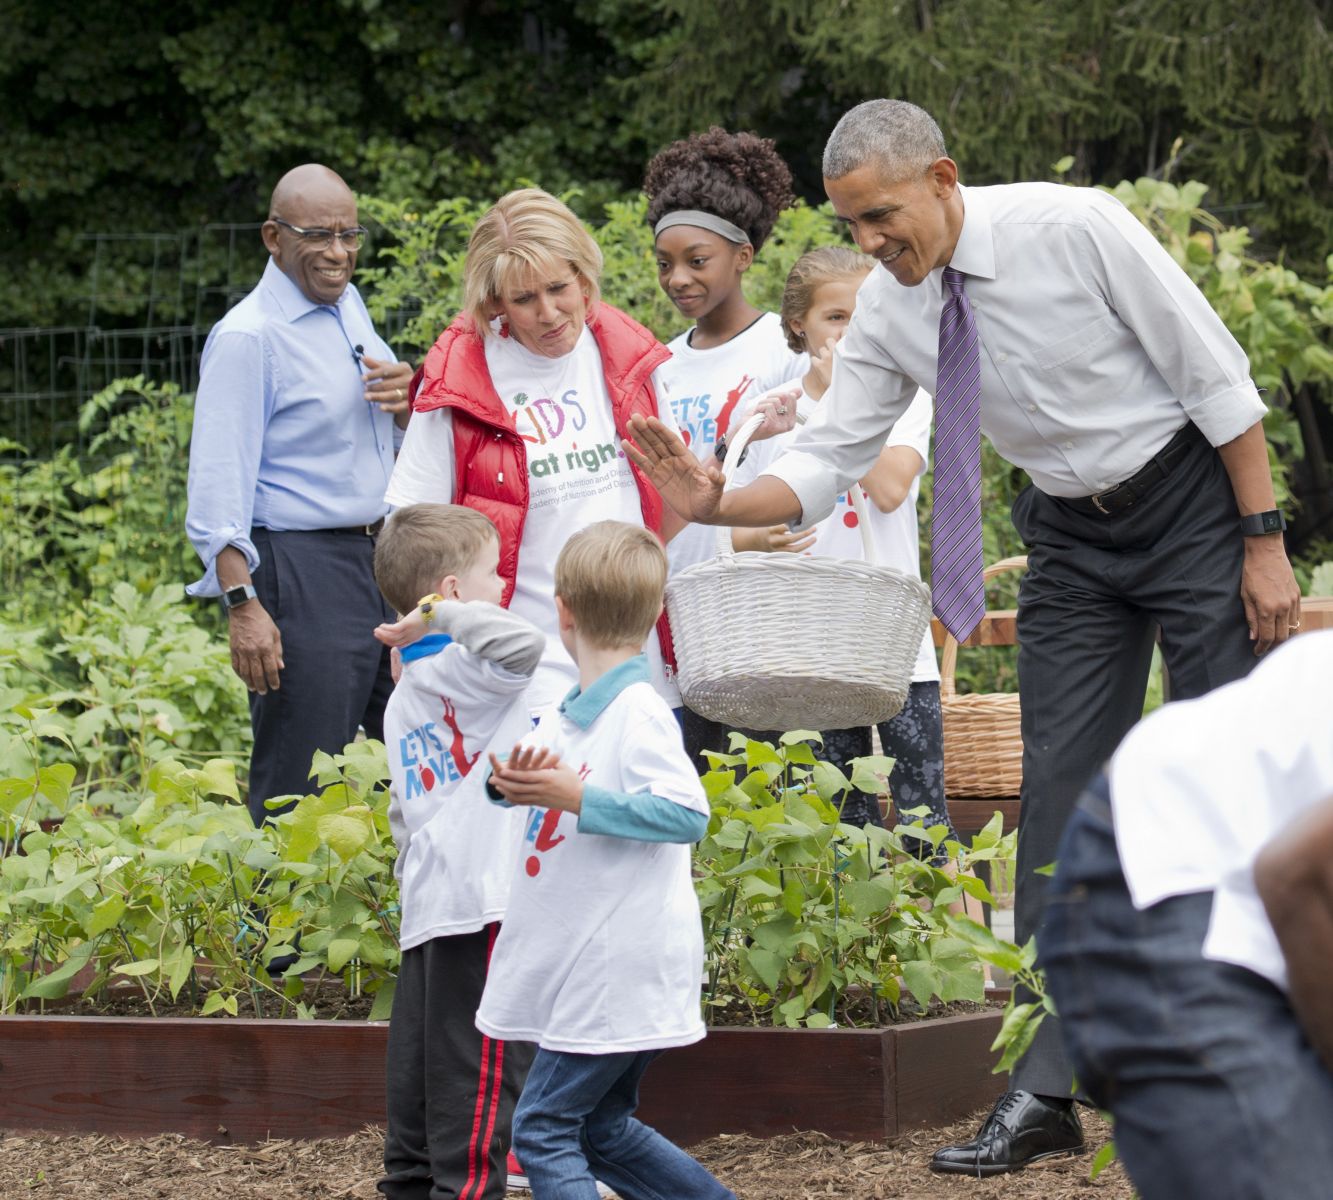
(709,391)
(896,535)
(602,948)
(455,848)
(577,475)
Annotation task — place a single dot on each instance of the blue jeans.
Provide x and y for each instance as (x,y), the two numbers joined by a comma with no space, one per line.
(575,1121)
(1215,1091)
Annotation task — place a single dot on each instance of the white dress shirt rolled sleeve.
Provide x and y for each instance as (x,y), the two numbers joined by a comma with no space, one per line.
(1191,348)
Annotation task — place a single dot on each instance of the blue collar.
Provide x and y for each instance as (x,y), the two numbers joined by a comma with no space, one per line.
(432,643)
(583,708)
(293,302)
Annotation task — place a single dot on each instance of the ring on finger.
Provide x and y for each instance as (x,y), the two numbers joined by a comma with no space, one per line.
(1296,626)
(781,410)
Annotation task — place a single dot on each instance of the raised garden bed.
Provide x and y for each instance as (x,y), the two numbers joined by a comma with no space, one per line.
(245,1080)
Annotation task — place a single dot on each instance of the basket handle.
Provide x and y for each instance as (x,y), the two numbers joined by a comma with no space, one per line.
(949,658)
(736,448)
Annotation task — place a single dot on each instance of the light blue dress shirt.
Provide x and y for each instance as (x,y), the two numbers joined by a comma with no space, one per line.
(283,435)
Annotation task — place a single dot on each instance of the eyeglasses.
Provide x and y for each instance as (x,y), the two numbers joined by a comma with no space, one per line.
(322,239)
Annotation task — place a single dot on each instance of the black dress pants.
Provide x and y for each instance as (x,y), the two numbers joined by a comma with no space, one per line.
(1096,591)
(319,588)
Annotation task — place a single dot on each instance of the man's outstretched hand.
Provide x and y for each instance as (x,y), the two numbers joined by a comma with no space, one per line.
(693,490)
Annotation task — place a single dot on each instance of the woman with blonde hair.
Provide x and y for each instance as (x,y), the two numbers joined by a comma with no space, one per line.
(520,406)
(518,412)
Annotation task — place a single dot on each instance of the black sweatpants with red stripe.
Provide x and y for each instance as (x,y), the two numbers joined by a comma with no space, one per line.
(451,1089)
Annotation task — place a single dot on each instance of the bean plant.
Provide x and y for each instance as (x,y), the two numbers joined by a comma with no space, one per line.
(811,921)
(184,896)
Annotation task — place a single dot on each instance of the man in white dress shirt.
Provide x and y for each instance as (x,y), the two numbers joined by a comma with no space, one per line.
(1107,377)
(1188,942)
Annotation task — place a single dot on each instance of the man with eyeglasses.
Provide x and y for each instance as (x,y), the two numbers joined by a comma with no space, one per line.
(300,409)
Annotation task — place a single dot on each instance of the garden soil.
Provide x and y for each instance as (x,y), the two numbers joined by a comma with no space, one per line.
(799,1166)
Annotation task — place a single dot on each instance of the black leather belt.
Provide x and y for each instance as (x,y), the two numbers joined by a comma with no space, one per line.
(363,530)
(1128,493)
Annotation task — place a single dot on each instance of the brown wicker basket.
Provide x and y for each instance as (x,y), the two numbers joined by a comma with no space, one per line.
(983,739)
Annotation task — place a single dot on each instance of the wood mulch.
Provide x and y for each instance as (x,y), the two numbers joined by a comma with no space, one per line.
(799,1166)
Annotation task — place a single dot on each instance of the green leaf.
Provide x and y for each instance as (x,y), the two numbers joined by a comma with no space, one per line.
(55,984)
(1104,1157)
(383,1006)
(340,952)
(799,752)
(212,1002)
(992,949)
(105,915)
(793,898)
(1019,1027)
(758,754)
(15,793)
(179,965)
(867,771)
(923,980)
(829,781)
(751,886)
(144,966)
(54,782)
(868,898)
(766,965)
(217,777)
(347,832)
(793,1010)
(976,888)
(778,935)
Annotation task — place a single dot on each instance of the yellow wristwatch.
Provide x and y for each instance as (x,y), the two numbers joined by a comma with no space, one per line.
(426,605)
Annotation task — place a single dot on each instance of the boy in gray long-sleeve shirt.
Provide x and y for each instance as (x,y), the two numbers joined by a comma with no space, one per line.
(466,665)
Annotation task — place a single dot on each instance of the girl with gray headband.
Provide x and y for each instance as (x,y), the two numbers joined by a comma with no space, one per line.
(712,201)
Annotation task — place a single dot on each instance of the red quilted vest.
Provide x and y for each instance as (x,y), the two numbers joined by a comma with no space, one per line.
(490,458)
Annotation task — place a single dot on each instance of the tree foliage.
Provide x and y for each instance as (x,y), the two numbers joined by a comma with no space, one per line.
(139,117)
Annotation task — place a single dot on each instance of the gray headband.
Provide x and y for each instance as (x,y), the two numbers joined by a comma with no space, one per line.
(703,220)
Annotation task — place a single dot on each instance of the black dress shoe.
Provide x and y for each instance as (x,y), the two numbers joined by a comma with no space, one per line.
(1021,1129)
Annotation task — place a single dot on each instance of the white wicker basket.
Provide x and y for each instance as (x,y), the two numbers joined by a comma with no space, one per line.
(784,641)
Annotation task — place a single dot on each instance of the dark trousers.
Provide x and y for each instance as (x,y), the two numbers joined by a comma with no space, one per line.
(1215,1091)
(319,588)
(451,1089)
(1095,592)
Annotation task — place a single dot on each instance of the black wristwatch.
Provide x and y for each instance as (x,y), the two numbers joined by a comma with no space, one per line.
(1259,524)
(235,597)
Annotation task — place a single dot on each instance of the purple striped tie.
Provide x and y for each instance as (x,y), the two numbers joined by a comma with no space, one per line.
(955,525)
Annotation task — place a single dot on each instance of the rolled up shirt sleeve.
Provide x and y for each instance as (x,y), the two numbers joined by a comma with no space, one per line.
(842,440)
(230,410)
(1194,352)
